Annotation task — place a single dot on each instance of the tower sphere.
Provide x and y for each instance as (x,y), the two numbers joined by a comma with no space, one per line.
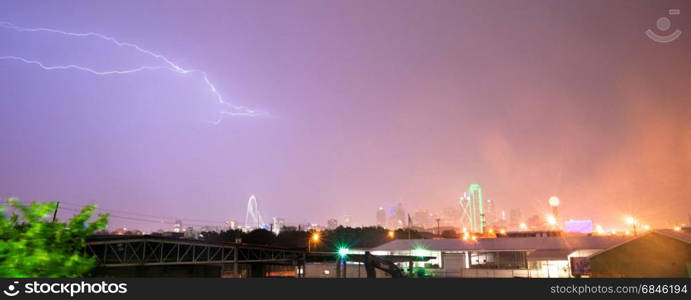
(553,201)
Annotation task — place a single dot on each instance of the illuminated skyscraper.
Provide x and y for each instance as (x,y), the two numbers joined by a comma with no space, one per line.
(476,213)
(490,212)
(178,226)
(277,225)
(399,217)
(232,225)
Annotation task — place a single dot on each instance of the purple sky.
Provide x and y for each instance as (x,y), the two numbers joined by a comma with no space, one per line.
(371,103)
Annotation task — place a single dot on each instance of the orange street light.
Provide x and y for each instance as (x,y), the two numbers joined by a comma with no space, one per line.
(631,221)
(314,238)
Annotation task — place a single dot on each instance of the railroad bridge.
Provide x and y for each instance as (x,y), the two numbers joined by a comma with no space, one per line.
(156,256)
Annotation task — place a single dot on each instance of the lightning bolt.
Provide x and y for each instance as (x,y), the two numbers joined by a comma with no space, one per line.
(165,64)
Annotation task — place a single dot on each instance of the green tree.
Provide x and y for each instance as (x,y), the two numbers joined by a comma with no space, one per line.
(31,245)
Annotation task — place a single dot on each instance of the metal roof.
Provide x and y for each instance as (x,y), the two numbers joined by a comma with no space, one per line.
(507,244)
(679,235)
(548,254)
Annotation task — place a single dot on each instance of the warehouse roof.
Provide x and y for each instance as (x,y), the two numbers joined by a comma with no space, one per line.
(679,235)
(507,244)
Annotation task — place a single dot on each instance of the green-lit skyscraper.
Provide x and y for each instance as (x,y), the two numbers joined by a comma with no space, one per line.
(476,213)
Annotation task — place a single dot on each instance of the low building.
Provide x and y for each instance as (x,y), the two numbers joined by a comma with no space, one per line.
(329,265)
(529,257)
(329,270)
(659,253)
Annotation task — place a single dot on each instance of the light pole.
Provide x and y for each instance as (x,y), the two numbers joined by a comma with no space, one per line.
(553,219)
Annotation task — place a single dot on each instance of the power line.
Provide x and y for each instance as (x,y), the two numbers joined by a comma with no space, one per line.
(146,215)
(139,219)
(136,216)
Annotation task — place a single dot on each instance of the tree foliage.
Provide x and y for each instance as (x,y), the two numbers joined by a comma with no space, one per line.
(31,245)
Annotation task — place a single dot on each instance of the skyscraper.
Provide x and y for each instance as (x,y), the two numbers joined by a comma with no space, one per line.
(381,217)
(331,224)
(347,221)
(399,217)
(490,212)
(232,225)
(277,225)
(422,219)
(178,226)
(476,212)
(515,218)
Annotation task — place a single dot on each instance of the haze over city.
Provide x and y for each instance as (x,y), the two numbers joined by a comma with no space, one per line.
(354,105)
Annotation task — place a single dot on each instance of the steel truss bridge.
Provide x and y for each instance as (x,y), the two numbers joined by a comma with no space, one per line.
(124,251)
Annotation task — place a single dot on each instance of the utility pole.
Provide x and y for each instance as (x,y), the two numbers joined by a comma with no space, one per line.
(409,229)
(55,213)
(438,228)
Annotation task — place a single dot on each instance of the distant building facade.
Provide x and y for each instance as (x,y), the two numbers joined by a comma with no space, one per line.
(277,225)
(331,224)
(422,219)
(177,227)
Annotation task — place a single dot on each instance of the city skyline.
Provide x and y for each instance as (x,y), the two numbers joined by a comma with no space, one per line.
(359,105)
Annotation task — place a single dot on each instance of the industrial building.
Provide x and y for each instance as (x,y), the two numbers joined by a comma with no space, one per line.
(528,257)
(659,253)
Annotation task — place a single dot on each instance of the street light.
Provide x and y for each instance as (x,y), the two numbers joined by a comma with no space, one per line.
(343,252)
(392,234)
(420,252)
(314,238)
(631,221)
